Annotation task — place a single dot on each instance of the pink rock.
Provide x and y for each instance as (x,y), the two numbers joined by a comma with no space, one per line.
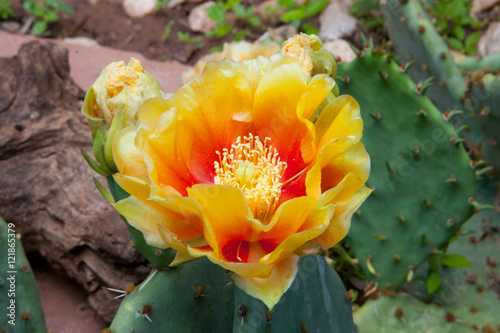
(198,18)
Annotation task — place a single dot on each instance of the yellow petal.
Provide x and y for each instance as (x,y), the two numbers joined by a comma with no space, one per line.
(347,197)
(341,118)
(270,289)
(127,157)
(144,218)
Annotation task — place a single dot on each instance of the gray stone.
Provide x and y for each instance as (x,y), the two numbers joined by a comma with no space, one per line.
(340,49)
(335,21)
(139,8)
(198,18)
(489,42)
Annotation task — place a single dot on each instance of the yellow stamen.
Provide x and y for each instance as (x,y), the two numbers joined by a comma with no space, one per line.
(256,169)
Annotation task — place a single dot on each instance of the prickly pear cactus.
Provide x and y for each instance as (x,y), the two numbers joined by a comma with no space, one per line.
(316,302)
(405,314)
(420,172)
(189,298)
(200,297)
(415,39)
(19,299)
(484,102)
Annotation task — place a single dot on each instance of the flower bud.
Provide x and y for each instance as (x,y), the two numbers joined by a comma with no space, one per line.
(112,104)
(307,48)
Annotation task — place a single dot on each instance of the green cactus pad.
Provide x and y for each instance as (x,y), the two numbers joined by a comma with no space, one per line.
(28,312)
(405,314)
(200,297)
(484,101)
(316,302)
(420,172)
(415,39)
(194,297)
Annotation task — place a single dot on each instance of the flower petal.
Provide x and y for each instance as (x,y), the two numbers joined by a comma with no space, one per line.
(225,214)
(270,289)
(347,197)
(127,157)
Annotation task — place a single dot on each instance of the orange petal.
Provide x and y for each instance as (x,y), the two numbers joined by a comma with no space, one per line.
(270,289)
(225,214)
(316,223)
(275,107)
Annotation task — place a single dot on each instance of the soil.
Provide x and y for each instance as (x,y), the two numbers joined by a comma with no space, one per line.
(108,23)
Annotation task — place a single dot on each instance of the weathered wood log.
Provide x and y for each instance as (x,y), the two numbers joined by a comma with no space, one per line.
(46,187)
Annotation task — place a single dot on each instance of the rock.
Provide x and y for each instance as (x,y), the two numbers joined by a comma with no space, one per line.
(93,2)
(84,41)
(173,3)
(340,49)
(335,21)
(139,8)
(480,5)
(198,18)
(11,26)
(46,186)
(489,42)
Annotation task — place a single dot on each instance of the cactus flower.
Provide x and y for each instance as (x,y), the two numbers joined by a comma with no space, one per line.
(117,94)
(237,51)
(238,166)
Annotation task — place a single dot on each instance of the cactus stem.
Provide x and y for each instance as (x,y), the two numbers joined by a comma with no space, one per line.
(397,257)
(456,141)
(344,255)
(346,79)
(122,293)
(451,114)
(423,239)
(449,223)
(145,312)
(401,218)
(416,150)
(421,29)
(427,202)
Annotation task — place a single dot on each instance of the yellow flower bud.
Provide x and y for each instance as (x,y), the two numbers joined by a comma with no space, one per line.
(307,48)
(112,104)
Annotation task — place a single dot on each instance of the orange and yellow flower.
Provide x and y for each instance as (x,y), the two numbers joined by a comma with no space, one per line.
(249,165)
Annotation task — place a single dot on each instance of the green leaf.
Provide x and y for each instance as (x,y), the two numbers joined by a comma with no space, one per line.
(239,36)
(288,4)
(168,29)
(455,260)
(63,7)
(459,32)
(442,24)
(93,164)
(216,13)
(254,21)
(292,15)
(217,48)
(455,43)
(184,37)
(105,194)
(239,10)
(223,30)
(471,40)
(230,4)
(39,27)
(309,28)
(315,7)
(51,16)
(433,282)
